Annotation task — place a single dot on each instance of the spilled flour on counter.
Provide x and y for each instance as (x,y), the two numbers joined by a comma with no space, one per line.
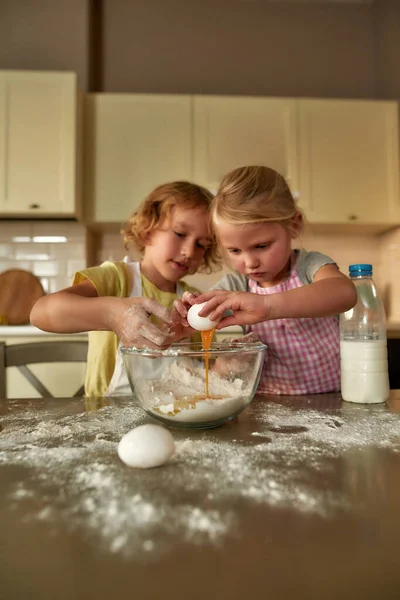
(70,473)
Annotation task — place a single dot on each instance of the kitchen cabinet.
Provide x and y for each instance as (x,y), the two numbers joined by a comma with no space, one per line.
(340,157)
(39,167)
(231,131)
(348,162)
(134,142)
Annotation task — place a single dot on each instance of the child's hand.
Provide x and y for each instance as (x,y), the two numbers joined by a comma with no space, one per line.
(247,308)
(243,339)
(130,320)
(182,305)
(232,365)
(180,327)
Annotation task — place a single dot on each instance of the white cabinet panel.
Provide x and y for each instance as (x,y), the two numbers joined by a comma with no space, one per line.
(134,143)
(348,161)
(38,142)
(340,157)
(231,132)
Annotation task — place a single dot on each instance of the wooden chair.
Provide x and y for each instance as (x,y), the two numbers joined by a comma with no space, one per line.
(21,355)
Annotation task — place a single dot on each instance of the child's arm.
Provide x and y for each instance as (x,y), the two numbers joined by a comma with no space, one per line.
(330,293)
(78,308)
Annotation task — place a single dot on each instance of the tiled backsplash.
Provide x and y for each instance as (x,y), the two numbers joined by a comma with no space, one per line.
(344,249)
(56,263)
(53,262)
(382,251)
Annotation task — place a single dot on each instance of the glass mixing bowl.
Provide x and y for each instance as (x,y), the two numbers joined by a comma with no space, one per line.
(171,385)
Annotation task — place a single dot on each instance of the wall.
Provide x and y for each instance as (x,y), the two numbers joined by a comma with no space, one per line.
(226,47)
(383,252)
(54,263)
(46,35)
(386,19)
(239,47)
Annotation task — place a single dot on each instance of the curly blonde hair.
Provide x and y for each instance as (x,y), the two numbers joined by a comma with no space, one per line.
(254,194)
(157,207)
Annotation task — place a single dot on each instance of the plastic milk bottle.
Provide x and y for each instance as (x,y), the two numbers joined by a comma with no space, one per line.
(363,349)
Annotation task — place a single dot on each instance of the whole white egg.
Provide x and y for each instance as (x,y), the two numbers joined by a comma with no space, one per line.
(146,446)
(197,322)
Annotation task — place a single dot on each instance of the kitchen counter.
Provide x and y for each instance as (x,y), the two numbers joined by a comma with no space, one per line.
(393,331)
(28,331)
(297,498)
(31,331)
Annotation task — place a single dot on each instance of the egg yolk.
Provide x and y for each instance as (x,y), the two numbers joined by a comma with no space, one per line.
(206,339)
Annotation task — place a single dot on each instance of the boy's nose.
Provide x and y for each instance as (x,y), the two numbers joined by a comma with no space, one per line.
(188,249)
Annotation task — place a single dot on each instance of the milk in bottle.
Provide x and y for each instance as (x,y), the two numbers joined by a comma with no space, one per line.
(363,349)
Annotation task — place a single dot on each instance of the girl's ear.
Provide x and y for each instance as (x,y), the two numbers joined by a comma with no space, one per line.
(297,225)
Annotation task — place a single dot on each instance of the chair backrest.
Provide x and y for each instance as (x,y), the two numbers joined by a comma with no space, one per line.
(21,355)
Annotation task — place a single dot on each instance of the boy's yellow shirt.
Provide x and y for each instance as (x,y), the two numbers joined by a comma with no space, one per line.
(114,279)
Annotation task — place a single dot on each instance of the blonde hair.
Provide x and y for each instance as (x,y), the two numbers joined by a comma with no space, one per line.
(254,194)
(157,207)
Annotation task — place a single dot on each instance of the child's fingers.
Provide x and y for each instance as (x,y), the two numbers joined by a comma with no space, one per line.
(180,332)
(153,336)
(177,321)
(152,307)
(189,298)
(249,337)
(212,305)
(226,322)
(206,296)
(142,341)
(179,308)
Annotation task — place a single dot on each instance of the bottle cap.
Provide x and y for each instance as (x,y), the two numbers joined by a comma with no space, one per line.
(359,270)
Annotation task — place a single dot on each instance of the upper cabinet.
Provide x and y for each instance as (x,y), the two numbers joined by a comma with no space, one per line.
(340,157)
(349,162)
(38,144)
(133,143)
(231,132)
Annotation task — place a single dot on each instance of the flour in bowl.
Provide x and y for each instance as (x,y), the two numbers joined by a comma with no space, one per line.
(180,392)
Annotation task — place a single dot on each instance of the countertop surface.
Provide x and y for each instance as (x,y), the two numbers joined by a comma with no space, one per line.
(28,331)
(297,498)
(393,330)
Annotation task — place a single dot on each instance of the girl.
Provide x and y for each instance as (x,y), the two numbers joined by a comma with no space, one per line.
(289,298)
(171,230)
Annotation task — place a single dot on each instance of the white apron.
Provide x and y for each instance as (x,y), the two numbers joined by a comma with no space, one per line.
(119,384)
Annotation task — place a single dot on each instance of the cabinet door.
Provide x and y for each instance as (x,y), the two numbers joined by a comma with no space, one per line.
(231,132)
(133,143)
(38,124)
(348,161)
(38,143)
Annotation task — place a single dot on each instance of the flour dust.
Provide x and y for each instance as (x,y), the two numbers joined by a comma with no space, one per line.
(71,476)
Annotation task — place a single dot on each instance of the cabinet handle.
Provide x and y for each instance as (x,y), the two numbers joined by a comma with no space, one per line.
(34,205)
(352,217)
